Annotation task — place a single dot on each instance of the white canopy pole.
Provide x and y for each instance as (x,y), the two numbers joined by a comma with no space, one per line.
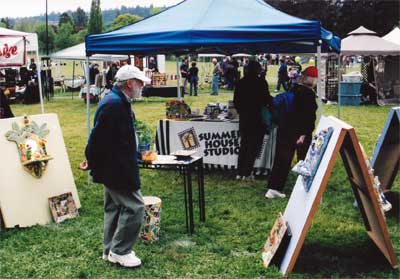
(87,106)
(39,79)
(319,80)
(178,80)
(338,76)
(87,96)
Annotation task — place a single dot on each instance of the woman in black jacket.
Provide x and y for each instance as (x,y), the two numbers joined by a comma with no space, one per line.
(251,94)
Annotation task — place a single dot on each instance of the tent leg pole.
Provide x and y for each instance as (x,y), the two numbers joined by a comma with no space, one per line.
(178,80)
(87,104)
(339,93)
(319,80)
(40,81)
(73,79)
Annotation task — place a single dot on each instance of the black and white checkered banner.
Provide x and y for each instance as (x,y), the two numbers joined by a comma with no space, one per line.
(217,142)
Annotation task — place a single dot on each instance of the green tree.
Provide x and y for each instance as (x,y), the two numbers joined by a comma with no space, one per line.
(95,20)
(64,18)
(80,36)
(3,25)
(5,22)
(156,10)
(41,31)
(80,19)
(64,37)
(26,25)
(125,19)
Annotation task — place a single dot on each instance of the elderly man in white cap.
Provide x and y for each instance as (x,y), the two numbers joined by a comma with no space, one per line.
(111,153)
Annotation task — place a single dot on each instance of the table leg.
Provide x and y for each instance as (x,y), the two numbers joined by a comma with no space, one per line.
(182,171)
(190,196)
(200,177)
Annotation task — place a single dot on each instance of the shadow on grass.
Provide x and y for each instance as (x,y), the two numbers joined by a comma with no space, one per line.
(345,259)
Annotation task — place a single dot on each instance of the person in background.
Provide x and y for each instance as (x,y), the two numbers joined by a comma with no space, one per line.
(32,70)
(264,66)
(5,110)
(193,78)
(111,155)
(293,75)
(283,77)
(245,65)
(111,75)
(93,71)
(297,64)
(153,65)
(184,69)
(251,94)
(294,131)
(215,76)
(224,70)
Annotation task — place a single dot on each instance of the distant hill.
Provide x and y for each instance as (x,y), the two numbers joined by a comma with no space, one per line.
(108,15)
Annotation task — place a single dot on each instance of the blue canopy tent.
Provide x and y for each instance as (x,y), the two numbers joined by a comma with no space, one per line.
(216,26)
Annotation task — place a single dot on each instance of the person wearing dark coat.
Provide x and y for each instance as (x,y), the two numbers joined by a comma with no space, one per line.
(294,132)
(250,95)
(283,77)
(5,110)
(111,155)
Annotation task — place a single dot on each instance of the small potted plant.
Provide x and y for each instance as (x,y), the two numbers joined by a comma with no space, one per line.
(144,136)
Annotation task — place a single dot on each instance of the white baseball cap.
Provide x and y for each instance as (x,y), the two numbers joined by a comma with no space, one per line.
(127,72)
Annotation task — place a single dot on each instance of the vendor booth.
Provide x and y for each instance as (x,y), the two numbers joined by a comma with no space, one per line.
(77,53)
(14,47)
(179,31)
(378,80)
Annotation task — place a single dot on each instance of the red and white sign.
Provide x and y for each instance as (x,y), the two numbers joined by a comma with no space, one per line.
(12,51)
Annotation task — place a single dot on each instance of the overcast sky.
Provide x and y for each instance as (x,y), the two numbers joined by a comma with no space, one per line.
(23,8)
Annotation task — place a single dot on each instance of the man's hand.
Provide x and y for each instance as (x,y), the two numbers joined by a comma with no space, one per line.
(84,165)
(300,140)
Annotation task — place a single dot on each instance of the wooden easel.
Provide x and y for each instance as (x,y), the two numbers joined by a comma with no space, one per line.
(303,205)
(386,157)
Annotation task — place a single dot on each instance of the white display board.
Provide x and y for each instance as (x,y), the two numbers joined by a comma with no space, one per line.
(301,202)
(24,198)
(386,157)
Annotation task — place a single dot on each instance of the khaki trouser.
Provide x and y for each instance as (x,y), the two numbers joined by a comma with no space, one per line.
(123,217)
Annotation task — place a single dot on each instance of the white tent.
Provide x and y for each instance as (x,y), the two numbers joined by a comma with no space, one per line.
(366,42)
(363,41)
(31,46)
(31,38)
(393,36)
(78,53)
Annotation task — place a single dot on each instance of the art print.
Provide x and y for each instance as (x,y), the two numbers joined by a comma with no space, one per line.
(63,207)
(308,168)
(189,139)
(274,240)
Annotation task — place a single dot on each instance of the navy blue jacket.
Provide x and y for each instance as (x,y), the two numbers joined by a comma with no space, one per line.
(111,150)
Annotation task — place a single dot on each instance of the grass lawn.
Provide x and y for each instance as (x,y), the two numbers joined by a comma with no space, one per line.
(228,244)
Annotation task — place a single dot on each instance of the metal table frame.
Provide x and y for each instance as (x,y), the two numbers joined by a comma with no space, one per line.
(186,168)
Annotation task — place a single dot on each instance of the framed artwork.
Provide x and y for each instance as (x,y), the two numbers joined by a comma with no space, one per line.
(63,207)
(273,244)
(308,168)
(189,139)
(31,144)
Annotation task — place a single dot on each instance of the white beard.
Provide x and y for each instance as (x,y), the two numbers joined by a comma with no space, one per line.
(136,93)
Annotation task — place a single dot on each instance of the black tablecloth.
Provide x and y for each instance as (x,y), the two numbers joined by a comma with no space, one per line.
(164,91)
(31,94)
